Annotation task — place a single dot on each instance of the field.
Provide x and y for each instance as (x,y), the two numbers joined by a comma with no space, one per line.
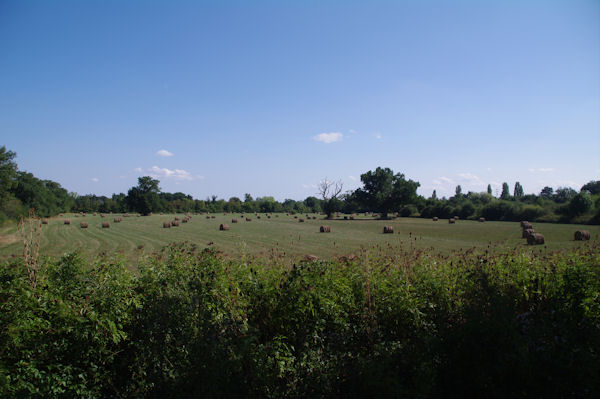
(281,235)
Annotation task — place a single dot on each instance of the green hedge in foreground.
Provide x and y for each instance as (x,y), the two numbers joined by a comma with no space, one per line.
(189,324)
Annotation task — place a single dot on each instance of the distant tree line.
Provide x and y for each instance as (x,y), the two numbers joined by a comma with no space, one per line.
(383,192)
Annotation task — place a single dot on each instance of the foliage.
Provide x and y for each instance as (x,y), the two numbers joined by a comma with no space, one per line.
(384,191)
(144,198)
(592,187)
(410,324)
(505,192)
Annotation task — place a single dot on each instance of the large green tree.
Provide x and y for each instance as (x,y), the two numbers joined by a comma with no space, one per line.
(505,192)
(8,171)
(144,197)
(383,191)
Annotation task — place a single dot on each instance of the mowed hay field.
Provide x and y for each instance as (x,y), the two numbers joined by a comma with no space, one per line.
(283,235)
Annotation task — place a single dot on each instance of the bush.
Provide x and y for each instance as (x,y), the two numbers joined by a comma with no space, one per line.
(190,324)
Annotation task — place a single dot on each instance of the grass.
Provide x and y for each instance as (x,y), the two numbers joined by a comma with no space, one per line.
(283,235)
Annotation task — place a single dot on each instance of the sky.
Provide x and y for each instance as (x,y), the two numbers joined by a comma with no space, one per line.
(270,98)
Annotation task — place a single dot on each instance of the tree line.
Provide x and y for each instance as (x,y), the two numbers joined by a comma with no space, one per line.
(383,192)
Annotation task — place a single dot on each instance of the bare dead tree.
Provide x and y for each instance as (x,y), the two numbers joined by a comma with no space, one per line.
(329,191)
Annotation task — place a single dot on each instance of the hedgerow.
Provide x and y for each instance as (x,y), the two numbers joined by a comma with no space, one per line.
(191,323)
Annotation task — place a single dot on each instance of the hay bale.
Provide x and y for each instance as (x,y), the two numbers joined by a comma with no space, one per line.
(67,221)
(166,225)
(310,258)
(94,214)
(582,235)
(101,215)
(351,217)
(83,225)
(224,226)
(117,220)
(44,221)
(185,220)
(456,218)
(345,217)
(295,217)
(526,225)
(388,229)
(233,220)
(175,223)
(212,217)
(535,239)
(258,217)
(269,217)
(451,221)
(527,233)
(207,216)
(435,219)
(248,220)
(325,229)
(300,220)
(482,220)
(126,215)
(105,225)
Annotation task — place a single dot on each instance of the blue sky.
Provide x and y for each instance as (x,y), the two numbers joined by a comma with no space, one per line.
(269,98)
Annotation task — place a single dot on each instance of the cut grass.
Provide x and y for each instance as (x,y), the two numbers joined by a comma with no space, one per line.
(286,237)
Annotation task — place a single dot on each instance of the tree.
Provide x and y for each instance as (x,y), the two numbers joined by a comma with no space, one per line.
(518,191)
(458,191)
(580,204)
(384,191)
(8,171)
(489,189)
(434,195)
(592,187)
(547,192)
(330,191)
(144,198)
(505,192)
(564,194)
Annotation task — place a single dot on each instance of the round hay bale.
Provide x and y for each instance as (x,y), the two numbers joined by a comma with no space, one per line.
(325,229)
(94,214)
(166,225)
(582,235)
(105,225)
(527,232)
(535,239)
(207,216)
(44,221)
(482,220)
(351,217)
(295,217)
(451,221)
(83,225)
(388,229)
(117,220)
(456,218)
(212,217)
(269,217)
(435,219)
(233,220)
(224,226)
(300,220)
(67,221)
(526,225)
(175,223)
(185,220)
(248,220)
(101,215)
(258,217)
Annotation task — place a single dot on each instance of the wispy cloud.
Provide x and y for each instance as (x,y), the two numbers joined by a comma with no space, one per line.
(139,170)
(378,136)
(542,170)
(328,138)
(469,178)
(164,153)
(352,178)
(95,179)
(175,174)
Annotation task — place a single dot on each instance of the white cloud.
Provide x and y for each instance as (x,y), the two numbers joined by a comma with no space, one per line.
(164,153)
(543,170)
(175,174)
(446,179)
(469,177)
(138,170)
(95,179)
(352,178)
(328,138)
(378,136)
